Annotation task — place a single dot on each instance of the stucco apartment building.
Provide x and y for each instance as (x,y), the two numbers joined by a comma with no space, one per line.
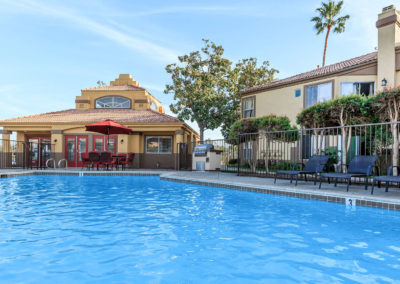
(154,138)
(365,74)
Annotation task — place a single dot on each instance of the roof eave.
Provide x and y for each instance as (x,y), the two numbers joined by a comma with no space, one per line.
(283,85)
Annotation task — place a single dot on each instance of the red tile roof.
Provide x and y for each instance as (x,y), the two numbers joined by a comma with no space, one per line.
(320,72)
(115,88)
(85,116)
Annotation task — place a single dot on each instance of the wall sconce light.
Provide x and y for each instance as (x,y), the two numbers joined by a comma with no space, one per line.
(384,82)
(55,140)
(122,141)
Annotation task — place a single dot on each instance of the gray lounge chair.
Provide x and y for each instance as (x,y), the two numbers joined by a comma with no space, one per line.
(387,179)
(360,166)
(314,166)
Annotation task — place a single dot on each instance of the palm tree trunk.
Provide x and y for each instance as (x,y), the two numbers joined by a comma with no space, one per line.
(326,45)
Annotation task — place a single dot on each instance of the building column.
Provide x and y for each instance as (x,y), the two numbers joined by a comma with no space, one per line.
(179,138)
(5,151)
(57,145)
(134,147)
(122,143)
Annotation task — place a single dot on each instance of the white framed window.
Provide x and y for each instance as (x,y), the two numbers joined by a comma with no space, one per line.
(158,144)
(318,93)
(247,150)
(358,88)
(248,107)
(113,102)
(153,106)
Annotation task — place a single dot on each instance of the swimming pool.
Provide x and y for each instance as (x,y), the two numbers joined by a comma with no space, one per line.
(143,229)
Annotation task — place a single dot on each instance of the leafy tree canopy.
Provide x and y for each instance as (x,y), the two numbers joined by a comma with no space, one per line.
(245,74)
(207,87)
(348,110)
(267,123)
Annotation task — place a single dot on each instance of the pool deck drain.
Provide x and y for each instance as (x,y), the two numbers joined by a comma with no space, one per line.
(356,196)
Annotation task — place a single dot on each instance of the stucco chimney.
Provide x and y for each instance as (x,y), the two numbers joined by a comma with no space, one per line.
(388,38)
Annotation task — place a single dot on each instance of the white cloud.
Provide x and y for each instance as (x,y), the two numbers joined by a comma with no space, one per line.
(187,9)
(135,43)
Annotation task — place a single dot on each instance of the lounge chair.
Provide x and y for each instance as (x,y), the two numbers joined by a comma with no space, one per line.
(360,166)
(314,166)
(387,179)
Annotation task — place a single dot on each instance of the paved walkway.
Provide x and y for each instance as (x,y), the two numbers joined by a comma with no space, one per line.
(357,194)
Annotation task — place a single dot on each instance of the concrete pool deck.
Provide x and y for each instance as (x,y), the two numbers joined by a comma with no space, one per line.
(356,195)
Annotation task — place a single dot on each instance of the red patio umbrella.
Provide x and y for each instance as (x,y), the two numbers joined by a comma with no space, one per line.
(108,127)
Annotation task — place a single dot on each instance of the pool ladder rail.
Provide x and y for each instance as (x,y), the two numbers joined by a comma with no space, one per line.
(58,164)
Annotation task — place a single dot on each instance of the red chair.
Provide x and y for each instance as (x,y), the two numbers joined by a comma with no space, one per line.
(119,161)
(94,158)
(106,159)
(128,161)
(85,160)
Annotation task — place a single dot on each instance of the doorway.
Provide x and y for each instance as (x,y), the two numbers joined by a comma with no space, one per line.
(75,145)
(40,150)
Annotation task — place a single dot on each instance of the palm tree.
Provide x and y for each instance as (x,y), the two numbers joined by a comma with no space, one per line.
(329,18)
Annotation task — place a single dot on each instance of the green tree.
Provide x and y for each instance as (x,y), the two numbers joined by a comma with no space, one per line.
(316,117)
(329,19)
(343,111)
(386,107)
(207,87)
(199,84)
(245,74)
(261,130)
(346,111)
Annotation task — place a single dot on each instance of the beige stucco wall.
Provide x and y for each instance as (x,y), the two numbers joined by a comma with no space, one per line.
(145,99)
(388,36)
(282,101)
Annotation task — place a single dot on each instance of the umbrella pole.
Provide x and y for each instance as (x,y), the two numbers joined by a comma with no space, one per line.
(108,138)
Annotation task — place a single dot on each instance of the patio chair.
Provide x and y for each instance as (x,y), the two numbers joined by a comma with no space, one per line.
(314,166)
(128,161)
(106,159)
(85,160)
(360,166)
(387,179)
(94,158)
(119,161)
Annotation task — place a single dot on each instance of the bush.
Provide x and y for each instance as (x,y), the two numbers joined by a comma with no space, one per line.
(254,125)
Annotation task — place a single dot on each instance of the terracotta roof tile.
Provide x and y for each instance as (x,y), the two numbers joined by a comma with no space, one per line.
(85,116)
(115,88)
(323,71)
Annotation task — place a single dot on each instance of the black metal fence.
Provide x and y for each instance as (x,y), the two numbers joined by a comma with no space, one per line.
(24,155)
(263,153)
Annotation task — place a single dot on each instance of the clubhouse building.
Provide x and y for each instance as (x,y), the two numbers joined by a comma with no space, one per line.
(155,136)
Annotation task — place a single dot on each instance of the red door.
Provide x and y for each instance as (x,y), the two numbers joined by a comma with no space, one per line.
(100,143)
(74,146)
(39,150)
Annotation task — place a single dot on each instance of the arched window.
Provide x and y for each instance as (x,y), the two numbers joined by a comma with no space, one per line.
(113,102)
(153,106)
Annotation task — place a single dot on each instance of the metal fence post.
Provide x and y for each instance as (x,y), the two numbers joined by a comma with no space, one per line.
(301,144)
(238,155)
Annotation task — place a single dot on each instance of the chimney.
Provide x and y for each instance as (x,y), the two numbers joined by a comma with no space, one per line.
(388,38)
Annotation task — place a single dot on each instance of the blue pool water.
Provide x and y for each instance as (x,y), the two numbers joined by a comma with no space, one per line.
(56,229)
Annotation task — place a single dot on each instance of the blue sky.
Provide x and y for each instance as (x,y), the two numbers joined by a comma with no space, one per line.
(50,50)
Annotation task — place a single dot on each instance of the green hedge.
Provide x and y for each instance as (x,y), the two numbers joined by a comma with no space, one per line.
(254,125)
